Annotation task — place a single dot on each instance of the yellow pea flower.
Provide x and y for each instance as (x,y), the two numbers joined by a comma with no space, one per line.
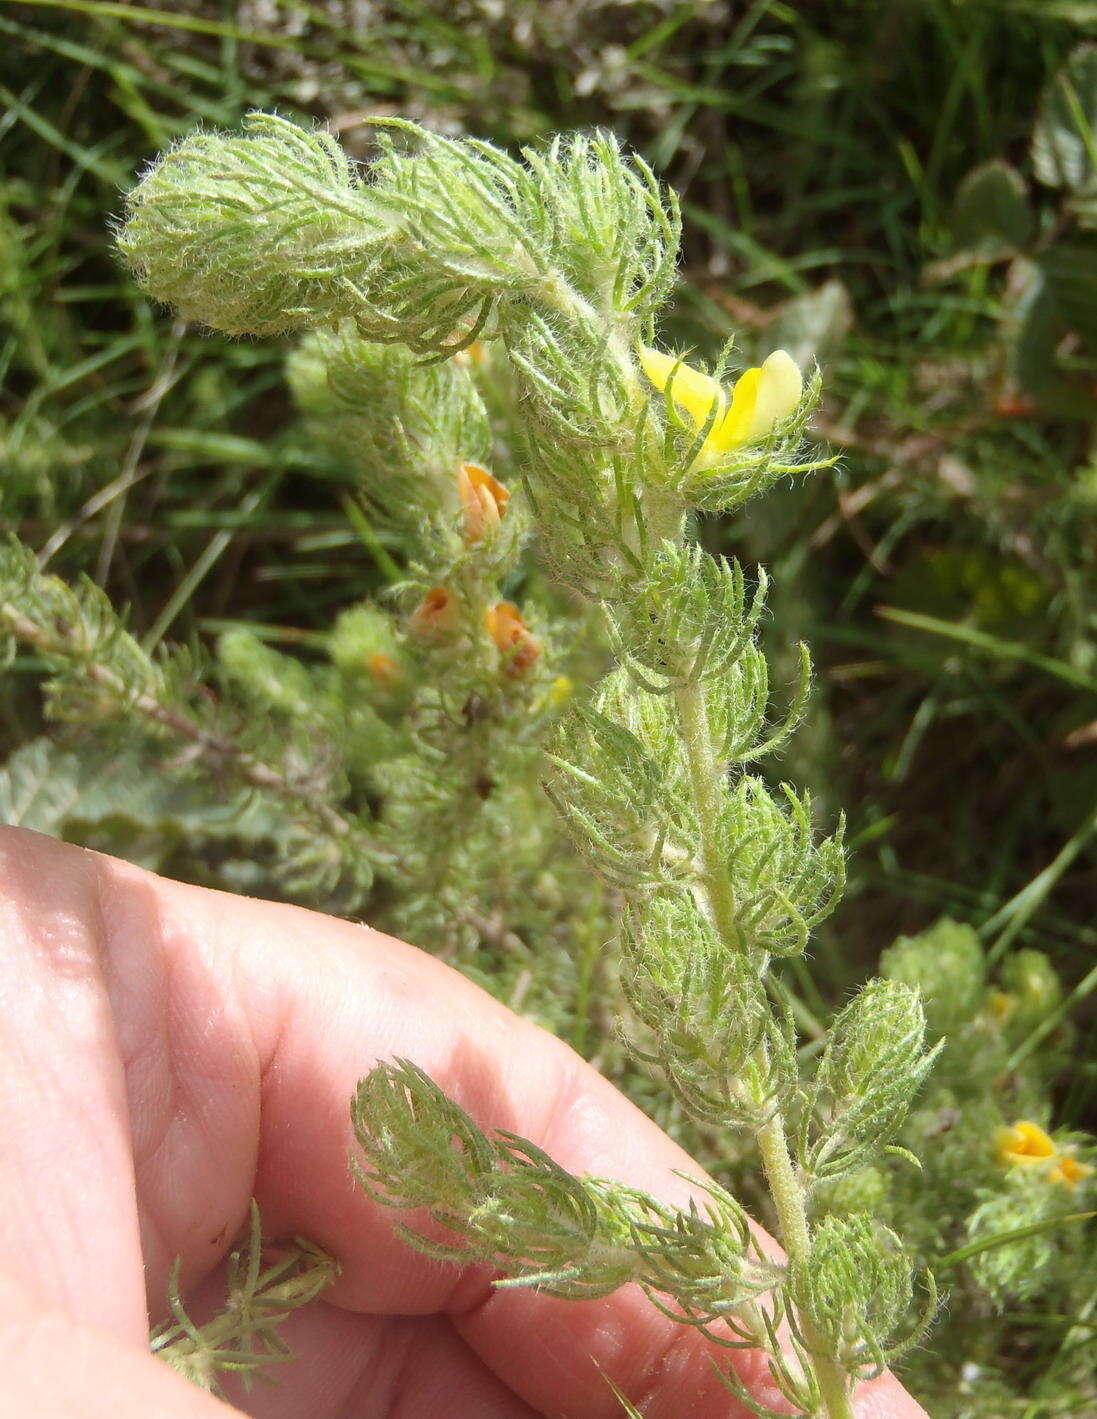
(437,613)
(1027,1145)
(760,399)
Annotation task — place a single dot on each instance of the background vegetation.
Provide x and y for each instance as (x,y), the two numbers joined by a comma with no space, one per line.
(905,191)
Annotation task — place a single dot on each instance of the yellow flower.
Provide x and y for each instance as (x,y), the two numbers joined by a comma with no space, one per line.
(761,398)
(1027,1145)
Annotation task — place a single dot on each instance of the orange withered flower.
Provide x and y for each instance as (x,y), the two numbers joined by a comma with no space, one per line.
(1069,1171)
(383,668)
(511,637)
(436,614)
(483,502)
(474,354)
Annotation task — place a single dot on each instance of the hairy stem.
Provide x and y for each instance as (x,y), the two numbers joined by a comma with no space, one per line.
(788,1203)
(707,786)
(706,783)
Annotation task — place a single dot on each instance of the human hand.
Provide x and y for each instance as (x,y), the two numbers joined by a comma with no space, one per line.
(167,1052)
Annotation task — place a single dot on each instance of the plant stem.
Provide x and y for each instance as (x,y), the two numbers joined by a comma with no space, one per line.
(709,797)
(788,1202)
(706,782)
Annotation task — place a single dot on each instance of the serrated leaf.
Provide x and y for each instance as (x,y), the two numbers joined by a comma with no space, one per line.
(1064,141)
(992,209)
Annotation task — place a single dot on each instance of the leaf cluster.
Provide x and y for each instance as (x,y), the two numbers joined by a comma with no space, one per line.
(503,1201)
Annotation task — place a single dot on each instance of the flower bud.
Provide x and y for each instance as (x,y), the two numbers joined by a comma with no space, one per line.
(1035,989)
(383,669)
(872,1067)
(511,637)
(856,1286)
(436,615)
(946,964)
(483,502)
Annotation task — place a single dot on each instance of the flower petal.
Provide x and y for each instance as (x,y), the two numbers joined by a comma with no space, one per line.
(780,390)
(693,391)
(734,429)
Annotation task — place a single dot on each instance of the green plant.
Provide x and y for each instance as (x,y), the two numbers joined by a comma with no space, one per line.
(1051,276)
(565,260)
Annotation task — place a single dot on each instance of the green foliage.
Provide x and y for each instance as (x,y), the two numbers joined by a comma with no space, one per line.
(243,1338)
(872,1067)
(1054,265)
(504,1201)
(212,205)
(857,1286)
(433,250)
(705,1010)
(103,677)
(1063,152)
(479,243)
(992,210)
(164,464)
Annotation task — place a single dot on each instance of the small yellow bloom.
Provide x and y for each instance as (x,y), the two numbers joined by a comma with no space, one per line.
(561,690)
(1027,1145)
(483,502)
(761,398)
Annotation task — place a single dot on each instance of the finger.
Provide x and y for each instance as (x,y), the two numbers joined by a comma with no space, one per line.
(349,1366)
(274,1014)
(346,1365)
(68,1213)
(54,1367)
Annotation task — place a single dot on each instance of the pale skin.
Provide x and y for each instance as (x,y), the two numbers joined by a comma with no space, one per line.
(167,1053)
